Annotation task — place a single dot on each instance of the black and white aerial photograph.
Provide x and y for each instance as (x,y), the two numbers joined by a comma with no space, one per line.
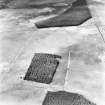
(52,52)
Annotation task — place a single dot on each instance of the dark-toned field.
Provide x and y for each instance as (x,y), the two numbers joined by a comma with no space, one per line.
(75,15)
(65,98)
(42,68)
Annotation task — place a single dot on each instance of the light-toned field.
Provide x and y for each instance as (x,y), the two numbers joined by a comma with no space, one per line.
(20,39)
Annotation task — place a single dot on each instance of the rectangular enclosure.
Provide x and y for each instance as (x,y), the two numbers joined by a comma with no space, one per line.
(42,68)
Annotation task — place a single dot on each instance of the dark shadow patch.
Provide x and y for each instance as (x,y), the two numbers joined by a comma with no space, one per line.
(65,98)
(87,52)
(42,68)
(89,59)
(77,14)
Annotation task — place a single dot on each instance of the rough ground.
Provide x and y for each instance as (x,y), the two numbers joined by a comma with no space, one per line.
(20,39)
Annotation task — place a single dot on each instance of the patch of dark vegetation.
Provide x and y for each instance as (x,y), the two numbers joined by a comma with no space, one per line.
(40,6)
(65,98)
(42,68)
(38,3)
(77,14)
(3,3)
